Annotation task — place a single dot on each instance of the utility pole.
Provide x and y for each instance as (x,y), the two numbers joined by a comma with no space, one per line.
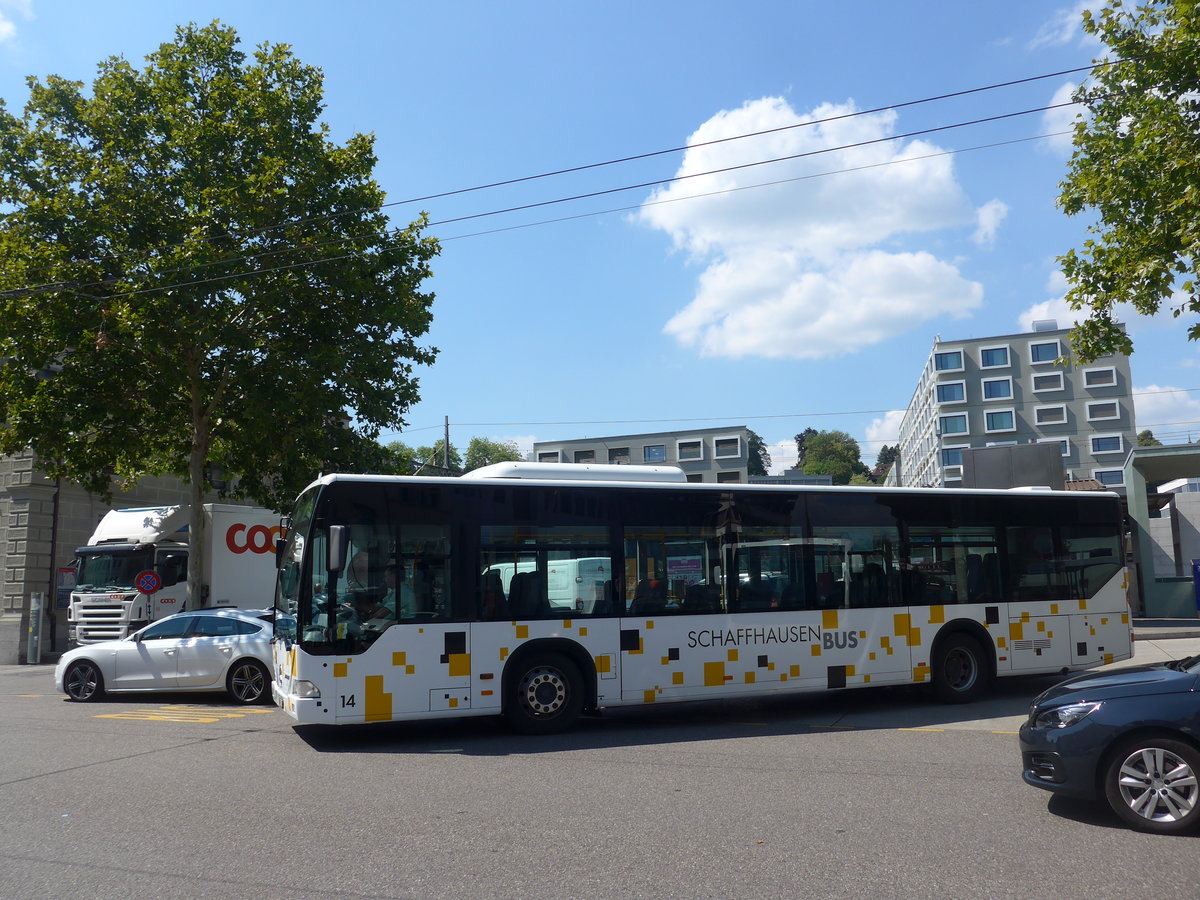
(446,446)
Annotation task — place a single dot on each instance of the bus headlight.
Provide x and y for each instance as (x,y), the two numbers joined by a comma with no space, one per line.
(305,690)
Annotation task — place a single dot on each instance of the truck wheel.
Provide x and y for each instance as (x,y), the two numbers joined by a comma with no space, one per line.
(83,682)
(248,682)
(545,694)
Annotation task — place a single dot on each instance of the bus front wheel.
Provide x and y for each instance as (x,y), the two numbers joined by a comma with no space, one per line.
(960,670)
(545,694)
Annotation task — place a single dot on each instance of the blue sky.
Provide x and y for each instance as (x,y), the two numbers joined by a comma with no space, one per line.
(802,293)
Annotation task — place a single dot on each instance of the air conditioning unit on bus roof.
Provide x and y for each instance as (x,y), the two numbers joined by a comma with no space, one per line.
(578,472)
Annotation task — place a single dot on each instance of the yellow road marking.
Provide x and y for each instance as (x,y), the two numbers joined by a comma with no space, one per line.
(177,713)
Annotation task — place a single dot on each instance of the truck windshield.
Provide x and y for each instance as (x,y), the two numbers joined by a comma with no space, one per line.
(112,570)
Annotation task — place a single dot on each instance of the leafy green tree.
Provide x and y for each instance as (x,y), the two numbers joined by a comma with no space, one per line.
(884,462)
(1146,438)
(833,453)
(432,460)
(1136,167)
(483,451)
(759,462)
(195,278)
(802,445)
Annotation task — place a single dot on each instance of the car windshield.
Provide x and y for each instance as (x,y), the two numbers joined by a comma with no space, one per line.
(112,570)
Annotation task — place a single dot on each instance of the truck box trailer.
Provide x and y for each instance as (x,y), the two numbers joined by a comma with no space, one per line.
(134,568)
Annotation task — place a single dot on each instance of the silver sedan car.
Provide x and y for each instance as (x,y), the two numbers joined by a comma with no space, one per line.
(206,650)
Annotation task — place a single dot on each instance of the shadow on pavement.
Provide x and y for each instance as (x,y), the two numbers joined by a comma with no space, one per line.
(887,708)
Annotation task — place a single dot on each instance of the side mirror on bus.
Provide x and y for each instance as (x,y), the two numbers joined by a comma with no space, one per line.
(339,545)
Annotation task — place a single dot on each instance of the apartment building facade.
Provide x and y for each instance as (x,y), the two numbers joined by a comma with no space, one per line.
(704,454)
(1016,389)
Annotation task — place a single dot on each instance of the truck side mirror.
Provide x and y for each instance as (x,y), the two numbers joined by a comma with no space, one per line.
(339,546)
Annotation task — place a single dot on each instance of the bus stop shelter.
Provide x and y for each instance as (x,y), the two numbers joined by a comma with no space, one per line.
(1162,598)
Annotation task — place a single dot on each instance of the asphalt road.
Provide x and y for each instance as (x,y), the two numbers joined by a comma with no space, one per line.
(860,794)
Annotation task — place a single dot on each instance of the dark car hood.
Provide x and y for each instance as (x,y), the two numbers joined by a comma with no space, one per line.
(1128,682)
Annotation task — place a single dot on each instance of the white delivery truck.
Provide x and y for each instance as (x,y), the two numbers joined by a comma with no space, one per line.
(134,568)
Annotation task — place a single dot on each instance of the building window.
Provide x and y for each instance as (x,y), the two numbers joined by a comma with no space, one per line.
(728,477)
(1049,415)
(549,456)
(727,448)
(993,357)
(997,388)
(1094,378)
(1052,381)
(1107,443)
(689,450)
(1044,352)
(1109,477)
(951,361)
(953,424)
(999,420)
(951,391)
(585,456)
(654,453)
(1106,409)
(953,456)
(695,476)
(1064,445)
(618,456)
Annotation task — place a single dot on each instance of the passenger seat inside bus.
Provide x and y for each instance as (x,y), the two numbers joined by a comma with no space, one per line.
(526,600)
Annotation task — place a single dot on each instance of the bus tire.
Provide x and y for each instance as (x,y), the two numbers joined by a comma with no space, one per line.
(544,695)
(961,672)
(248,682)
(83,682)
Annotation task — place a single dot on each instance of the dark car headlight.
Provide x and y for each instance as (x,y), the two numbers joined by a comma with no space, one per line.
(1064,716)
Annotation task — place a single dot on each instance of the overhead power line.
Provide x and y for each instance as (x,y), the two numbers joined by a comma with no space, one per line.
(612,162)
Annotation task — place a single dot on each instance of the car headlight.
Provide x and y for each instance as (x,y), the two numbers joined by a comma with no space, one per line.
(1064,716)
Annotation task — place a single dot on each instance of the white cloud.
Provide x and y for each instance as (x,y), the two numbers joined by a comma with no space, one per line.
(768,303)
(1173,414)
(1056,309)
(8,27)
(1064,26)
(1060,123)
(794,270)
(783,456)
(989,216)
(887,429)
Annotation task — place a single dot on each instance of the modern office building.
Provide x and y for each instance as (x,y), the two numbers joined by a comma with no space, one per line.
(1016,389)
(704,454)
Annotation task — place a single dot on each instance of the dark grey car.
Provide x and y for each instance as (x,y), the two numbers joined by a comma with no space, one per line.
(1131,736)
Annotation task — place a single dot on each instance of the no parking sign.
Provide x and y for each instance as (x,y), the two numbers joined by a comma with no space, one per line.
(147,582)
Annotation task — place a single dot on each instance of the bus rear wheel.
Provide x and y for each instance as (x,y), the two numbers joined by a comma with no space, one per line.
(545,694)
(961,672)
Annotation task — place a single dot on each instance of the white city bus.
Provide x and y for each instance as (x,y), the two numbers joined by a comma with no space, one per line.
(712,591)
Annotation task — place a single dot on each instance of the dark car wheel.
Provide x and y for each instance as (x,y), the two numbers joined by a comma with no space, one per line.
(545,694)
(1152,783)
(83,682)
(960,670)
(248,681)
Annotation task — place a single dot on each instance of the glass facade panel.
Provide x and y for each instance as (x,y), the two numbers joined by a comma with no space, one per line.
(951,392)
(951,361)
